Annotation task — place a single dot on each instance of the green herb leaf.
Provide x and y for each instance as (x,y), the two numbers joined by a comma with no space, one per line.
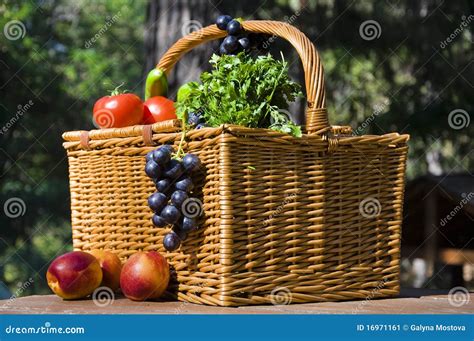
(244,91)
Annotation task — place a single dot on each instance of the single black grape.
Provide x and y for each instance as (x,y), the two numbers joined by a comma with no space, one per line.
(244,43)
(152,169)
(230,43)
(170,214)
(185,184)
(222,50)
(189,224)
(195,118)
(236,51)
(157,201)
(200,126)
(173,170)
(171,241)
(234,27)
(163,185)
(183,235)
(167,147)
(149,156)
(178,197)
(191,162)
(158,221)
(222,21)
(161,156)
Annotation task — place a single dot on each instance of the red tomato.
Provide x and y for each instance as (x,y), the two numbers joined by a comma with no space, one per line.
(147,116)
(161,109)
(118,111)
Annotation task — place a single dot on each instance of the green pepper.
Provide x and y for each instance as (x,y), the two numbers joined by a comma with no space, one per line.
(156,84)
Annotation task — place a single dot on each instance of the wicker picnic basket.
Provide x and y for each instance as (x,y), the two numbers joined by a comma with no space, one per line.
(285,219)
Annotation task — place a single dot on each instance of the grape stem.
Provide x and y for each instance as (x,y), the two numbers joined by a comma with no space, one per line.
(180,151)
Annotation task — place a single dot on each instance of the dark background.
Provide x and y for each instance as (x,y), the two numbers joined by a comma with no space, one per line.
(410,71)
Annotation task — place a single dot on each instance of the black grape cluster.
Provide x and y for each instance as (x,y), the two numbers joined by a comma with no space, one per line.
(237,39)
(196,120)
(173,203)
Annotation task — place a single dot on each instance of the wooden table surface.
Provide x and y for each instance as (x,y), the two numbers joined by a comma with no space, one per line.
(50,304)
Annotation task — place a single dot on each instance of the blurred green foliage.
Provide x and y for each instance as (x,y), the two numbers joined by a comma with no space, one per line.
(58,68)
(74,52)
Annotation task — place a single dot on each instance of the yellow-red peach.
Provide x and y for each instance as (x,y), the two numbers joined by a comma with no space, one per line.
(74,275)
(111,268)
(145,275)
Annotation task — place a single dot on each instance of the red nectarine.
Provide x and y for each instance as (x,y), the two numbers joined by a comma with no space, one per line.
(111,268)
(144,276)
(74,275)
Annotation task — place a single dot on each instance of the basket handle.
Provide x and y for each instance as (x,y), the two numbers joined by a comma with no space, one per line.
(316,114)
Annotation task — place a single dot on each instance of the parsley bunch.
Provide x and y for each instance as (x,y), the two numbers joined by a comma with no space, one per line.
(244,91)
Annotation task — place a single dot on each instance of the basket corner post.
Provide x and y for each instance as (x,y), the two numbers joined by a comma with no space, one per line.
(226,220)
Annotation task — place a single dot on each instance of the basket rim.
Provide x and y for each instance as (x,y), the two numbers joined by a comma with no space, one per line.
(174,126)
(332,136)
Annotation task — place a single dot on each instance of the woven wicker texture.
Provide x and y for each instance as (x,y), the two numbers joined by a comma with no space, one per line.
(285,219)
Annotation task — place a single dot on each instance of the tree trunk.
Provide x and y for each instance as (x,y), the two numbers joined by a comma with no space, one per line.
(169,20)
